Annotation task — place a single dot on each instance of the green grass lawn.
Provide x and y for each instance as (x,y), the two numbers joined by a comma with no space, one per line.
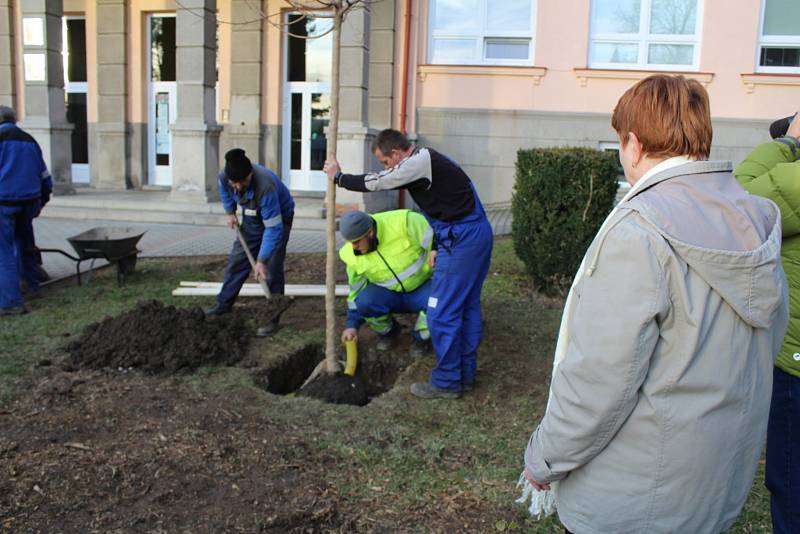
(397,458)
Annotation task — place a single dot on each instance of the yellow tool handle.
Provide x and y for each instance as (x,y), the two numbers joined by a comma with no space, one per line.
(352,357)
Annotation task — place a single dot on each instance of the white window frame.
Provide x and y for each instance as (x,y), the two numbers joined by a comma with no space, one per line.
(483,35)
(781,41)
(643,39)
(614,146)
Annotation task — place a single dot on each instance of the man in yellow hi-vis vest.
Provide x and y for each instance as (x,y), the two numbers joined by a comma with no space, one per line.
(389,258)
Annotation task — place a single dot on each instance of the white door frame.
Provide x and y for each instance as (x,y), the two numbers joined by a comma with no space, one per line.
(80,171)
(158,175)
(303,179)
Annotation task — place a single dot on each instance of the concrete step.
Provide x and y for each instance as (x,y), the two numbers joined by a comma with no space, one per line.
(156,207)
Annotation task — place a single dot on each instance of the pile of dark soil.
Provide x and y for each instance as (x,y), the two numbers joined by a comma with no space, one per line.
(160,339)
(336,389)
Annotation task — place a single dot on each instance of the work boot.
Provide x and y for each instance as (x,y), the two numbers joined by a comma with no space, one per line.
(466,387)
(419,348)
(216,309)
(15,310)
(426,390)
(41,274)
(387,340)
(268,330)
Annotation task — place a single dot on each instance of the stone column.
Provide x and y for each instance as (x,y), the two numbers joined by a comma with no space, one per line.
(355,135)
(108,146)
(195,134)
(45,113)
(381,64)
(7,46)
(244,124)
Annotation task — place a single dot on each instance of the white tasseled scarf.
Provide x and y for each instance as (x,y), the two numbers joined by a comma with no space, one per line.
(544,503)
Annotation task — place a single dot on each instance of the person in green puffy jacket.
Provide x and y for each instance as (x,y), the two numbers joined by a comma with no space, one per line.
(772,170)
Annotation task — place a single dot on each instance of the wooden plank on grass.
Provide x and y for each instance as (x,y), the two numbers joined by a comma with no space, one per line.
(253,290)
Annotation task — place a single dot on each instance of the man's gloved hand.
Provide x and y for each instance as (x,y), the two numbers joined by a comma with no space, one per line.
(349,334)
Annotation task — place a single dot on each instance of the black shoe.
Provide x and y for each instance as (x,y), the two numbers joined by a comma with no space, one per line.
(268,330)
(16,310)
(419,348)
(467,386)
(425,390)
(386,341)
(41,274)
(216,310)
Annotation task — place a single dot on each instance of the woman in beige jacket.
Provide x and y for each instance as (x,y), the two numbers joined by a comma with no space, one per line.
(660,396)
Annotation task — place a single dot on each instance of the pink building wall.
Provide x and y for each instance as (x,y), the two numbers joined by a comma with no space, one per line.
(728,50)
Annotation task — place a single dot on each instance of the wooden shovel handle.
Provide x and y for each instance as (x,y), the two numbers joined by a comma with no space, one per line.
(252,260)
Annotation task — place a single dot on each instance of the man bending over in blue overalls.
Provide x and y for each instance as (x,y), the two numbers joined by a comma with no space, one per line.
(389,270)
(447,198)
(267,214)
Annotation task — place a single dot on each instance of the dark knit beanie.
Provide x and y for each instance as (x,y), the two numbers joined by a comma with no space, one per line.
(237,165)
(353,225)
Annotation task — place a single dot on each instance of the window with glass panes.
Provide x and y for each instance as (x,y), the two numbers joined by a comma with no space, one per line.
(645,34)
(779,44)
(481,32)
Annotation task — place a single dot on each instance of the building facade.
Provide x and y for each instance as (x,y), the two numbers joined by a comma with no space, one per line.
(148,94)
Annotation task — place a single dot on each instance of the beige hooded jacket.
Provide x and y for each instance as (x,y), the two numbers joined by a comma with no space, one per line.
(659,408)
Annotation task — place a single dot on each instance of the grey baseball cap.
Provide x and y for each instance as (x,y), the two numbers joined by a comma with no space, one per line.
(353,225)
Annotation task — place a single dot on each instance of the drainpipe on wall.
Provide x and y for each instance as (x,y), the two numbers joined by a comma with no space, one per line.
(404,86)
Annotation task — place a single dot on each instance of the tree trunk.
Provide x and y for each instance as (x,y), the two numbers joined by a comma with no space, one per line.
(331,363)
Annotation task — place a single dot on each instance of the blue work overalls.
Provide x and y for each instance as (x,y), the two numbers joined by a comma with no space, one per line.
(16,258)
(252,227)
(454,305)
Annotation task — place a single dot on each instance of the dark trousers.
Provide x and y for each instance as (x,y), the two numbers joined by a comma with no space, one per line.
(16,259)
(783,453)
(238,268)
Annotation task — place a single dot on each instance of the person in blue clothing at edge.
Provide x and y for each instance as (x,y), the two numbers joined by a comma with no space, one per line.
(267,215)
(25,186)
(463,237)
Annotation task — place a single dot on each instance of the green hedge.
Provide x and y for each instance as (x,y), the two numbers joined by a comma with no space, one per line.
(561,197)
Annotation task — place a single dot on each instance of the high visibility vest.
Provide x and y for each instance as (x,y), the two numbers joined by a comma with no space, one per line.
(400,261)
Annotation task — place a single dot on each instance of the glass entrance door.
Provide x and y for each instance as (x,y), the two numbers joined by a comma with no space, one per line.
(306,103)
(75,89)
(162,98)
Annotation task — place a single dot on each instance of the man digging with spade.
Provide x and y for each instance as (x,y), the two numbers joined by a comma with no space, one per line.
(267,214)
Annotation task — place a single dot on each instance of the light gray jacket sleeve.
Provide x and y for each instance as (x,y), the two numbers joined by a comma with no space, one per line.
(415,167)
(613,331)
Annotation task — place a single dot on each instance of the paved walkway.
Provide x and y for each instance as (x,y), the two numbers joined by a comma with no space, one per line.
(167,240)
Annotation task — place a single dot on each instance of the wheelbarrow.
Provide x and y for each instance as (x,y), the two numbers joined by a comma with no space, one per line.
(115,245)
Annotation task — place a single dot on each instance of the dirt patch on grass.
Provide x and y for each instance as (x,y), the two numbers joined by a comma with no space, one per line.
(117,451)
(156,338)
(106,451)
